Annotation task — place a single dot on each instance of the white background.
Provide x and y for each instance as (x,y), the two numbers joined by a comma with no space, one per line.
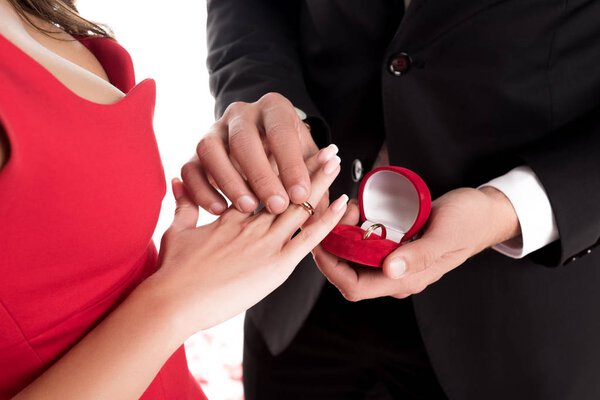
(167,41)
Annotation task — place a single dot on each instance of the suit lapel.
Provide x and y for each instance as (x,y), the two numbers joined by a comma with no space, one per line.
(426,20)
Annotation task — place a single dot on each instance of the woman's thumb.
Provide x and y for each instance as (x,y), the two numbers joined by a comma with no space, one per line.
(186,211)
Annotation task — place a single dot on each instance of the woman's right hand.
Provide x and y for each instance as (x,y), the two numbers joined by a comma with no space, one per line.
(211,273)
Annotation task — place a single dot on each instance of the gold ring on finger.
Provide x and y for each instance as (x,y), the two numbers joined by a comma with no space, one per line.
(308,207)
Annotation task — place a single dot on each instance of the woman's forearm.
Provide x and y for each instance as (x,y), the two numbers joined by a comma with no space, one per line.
(204,278)
(119,358)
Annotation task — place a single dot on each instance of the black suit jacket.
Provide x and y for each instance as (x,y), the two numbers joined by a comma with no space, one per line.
(491,84)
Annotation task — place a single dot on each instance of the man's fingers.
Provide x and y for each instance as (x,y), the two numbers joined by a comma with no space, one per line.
(215,161)
(420,281)
(416,256)
(282,130)
(236,157)
(357,282)
(410,258)
(339,273)
(247,149)
(200,189)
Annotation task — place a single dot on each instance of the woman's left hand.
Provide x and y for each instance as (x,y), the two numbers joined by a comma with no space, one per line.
(463,222)
(210,273)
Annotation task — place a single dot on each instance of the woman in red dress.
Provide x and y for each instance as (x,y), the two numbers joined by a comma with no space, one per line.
(88,308)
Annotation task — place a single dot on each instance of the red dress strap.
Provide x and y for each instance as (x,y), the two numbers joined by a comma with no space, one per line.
(115,60)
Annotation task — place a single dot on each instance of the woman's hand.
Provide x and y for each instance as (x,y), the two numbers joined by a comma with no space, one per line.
(463,222)
(211,273)
(206,275)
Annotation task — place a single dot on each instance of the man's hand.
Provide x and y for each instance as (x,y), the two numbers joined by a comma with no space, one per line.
(463,222)
(254,152)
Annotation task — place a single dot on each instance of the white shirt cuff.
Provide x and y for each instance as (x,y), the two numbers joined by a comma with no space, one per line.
(533,209)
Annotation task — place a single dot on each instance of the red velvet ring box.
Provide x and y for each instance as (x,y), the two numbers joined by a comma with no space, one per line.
(394,197)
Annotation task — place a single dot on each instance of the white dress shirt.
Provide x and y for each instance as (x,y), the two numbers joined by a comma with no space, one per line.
(533,209)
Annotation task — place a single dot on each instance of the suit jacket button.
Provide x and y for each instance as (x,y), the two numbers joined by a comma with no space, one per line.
(357,170)
(399,64)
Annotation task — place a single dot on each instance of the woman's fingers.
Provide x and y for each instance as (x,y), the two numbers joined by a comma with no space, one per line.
(352,215)
(321,158)
(308,238)
(186,211)
(328,160)
(322,177)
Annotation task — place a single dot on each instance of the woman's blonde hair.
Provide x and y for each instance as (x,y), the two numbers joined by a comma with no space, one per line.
(61,13)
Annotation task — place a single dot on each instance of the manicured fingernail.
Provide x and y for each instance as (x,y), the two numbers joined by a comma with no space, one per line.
(246,203)
(327,153)
(397,268)
(276,204)
(332,165)
(298,193)
(216,208)
(340,203)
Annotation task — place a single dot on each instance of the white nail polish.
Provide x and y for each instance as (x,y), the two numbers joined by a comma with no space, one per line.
(327,153)
(331,166)
(339,204)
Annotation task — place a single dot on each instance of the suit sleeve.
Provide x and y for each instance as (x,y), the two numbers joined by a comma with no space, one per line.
(253,50)
(567,162)
(568,165)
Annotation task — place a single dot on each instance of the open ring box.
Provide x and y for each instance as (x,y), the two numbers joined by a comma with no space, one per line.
(394,197)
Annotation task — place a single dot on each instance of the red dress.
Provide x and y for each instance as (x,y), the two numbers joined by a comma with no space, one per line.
(79,200)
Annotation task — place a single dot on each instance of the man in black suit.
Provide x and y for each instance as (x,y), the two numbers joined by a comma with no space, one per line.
(500,93)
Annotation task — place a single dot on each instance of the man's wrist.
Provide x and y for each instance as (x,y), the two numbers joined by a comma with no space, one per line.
(534,211)
(503,218)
